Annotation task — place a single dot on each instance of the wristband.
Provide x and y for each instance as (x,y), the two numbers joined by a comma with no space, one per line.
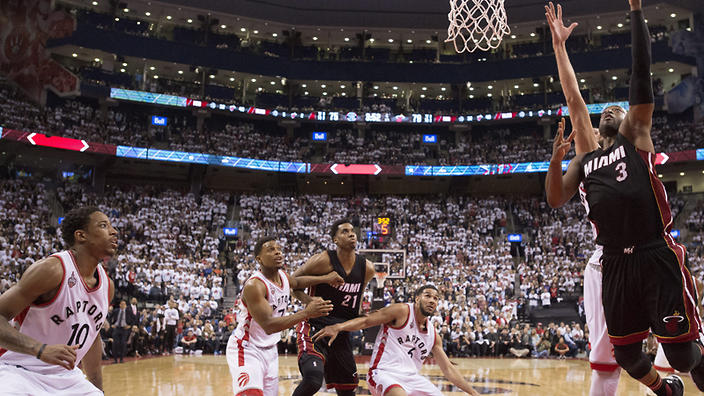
(39,354)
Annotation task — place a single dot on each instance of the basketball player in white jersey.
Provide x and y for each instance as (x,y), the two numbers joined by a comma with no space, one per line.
(406,339)
(251,350)
(58,308)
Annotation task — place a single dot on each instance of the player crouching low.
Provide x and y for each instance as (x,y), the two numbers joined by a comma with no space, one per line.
(405,340)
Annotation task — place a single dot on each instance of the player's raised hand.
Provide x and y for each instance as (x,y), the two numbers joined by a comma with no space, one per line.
(60,355)
(327,332)
(559,31)
(561,146)
(317,308)
(334,279)
(635,4)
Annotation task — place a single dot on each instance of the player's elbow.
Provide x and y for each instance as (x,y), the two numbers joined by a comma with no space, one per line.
(554,201)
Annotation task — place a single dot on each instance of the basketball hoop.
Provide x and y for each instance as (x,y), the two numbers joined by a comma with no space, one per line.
(476,24)
(380,278)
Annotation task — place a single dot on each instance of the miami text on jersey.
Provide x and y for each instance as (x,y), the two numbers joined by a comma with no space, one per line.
(604,160)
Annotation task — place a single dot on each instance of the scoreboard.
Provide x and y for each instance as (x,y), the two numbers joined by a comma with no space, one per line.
(382,226)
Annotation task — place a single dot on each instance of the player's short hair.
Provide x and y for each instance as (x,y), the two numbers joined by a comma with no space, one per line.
(260,243)
(76,219)
(336,225)
(420,290)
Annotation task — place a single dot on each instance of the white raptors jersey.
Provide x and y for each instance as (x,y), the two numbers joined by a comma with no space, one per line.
(403,349)
(73,317)
(248,330)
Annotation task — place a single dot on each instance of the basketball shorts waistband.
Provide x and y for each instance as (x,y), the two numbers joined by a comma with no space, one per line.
(622,250)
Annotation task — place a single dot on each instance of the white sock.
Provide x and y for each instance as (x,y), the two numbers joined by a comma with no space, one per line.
(604,383)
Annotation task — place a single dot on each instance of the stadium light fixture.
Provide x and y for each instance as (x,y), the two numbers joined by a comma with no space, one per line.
(443,89)
(513,36)
(273,83)
(95,3)
(489,95)
(212,76)
(424,88)
(347,39)
(189,20)
(75,55)
(152,68)
(255,31)
(315,38)
(223,26)
(232,79)
(304,85)
(409,41)
(97,59)
(243,30)
(275,35)
(325,94)
(371,40)
(323,86)
(122,70)
(156,77)
(582,81)
(180,72)
(305,93)
(673,15)
(515,86)
(342,86)
(536,85)
(422,96)
(471,96)
(681,173)
(671,70)
(168,17)
(391,40)
(117,19)
(490,86)
(125,10)
(532,34)
(620,25)
(376,87)
(614,78)
(148,13)
(254,80)
(428,41)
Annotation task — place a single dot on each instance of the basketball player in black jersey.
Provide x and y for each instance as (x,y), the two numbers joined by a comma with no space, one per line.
(647,285)
(335,362)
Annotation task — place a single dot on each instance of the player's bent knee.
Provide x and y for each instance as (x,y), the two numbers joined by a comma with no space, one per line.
(682,357)
(632,359)
(395,390)
(251,392)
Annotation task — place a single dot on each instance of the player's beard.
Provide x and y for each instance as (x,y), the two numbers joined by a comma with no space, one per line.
(426,312)
(608,129)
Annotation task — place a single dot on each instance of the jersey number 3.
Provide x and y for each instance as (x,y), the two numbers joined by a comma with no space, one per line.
(621,169)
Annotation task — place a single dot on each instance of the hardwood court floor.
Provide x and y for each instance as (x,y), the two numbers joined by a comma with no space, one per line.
(209,376)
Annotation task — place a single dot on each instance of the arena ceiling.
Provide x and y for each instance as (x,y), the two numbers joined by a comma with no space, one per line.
(418,14)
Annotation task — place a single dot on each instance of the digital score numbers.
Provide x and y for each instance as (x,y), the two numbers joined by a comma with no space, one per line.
(382,226)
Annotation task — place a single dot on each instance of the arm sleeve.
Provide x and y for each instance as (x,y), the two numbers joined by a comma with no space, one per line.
(641,91)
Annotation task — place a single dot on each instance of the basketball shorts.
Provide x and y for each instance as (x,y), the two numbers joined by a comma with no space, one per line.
(601,356)
(339,366)
(381,381)
(16,380)
(254,370)
(649,288)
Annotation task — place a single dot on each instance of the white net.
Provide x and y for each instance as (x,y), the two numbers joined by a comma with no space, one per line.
(477,24)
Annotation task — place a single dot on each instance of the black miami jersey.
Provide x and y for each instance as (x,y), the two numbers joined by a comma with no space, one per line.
(625,200)
(346,298)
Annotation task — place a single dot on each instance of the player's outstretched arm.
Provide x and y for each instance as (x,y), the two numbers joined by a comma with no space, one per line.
(448,370)
(394,313)
(639,119)
(584,142)
(92,361)
(332,278)
(560,188)
(41,278)
(254,296)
